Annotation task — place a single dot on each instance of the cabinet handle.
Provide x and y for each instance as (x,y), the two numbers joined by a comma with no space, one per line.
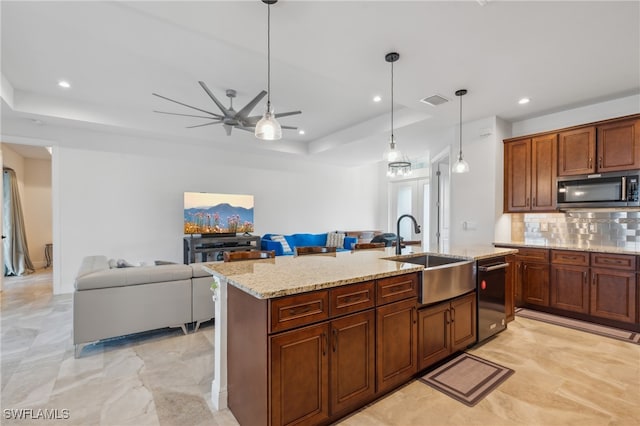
(599,162)
(453,315)
(414,314)
(335,339)
(527,202)
(534,202)
(593,279)
(446,317)
(584,277)
(590,162)
(324,344)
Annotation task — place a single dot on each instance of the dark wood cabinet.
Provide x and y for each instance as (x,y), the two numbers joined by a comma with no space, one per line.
(530,174)
(577,151)
(570,281)
(352,361)
(445,329)
(535,283)
(396,343)
(300,376)
(618,146)
(613,294)
(509,288)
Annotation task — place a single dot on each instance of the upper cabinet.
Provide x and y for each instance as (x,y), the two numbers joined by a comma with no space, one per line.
(530,174)
(608,147)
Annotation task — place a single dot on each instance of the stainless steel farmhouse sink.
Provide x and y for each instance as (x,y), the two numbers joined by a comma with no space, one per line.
(443,277)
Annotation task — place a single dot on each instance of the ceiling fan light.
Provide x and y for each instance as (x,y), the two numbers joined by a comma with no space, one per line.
(268,128)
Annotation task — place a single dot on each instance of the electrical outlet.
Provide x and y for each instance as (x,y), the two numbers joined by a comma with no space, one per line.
(544,227)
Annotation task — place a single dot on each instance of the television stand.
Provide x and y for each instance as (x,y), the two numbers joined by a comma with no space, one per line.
(209,244)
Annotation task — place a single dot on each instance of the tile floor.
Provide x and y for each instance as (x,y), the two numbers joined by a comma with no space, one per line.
(562,376)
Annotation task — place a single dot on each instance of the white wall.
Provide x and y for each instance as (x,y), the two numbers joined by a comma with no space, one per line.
(474,194)
(130,205)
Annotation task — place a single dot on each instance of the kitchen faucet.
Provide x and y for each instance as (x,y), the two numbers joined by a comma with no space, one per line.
(416,229)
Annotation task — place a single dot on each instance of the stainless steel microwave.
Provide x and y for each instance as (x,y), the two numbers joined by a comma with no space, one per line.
(614,189)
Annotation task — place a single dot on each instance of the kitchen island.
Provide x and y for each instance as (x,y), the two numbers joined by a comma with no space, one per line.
(313,338)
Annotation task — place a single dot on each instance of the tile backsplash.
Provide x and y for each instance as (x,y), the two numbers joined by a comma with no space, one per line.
(582,229)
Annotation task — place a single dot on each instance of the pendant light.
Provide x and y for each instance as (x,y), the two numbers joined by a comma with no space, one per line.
(268,127)
(460,166)
(398,164)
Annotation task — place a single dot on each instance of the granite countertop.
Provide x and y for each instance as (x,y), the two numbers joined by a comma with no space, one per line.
(287,275)
(594,248)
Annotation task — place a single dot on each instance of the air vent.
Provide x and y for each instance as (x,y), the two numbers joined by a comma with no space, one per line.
(435,100)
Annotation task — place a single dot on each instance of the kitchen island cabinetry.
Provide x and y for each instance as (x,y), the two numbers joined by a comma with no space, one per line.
(445,329)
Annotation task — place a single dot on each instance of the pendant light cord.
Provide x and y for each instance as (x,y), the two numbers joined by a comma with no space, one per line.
(392,139)
(460,155)
(268,57)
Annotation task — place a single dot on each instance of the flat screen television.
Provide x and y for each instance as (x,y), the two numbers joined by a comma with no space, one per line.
(217,214)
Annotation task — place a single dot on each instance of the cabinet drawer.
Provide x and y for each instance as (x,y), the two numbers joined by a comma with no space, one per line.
(566,257)
(533,254)
(616,261)
(301,309)
(351,298)
(396,288)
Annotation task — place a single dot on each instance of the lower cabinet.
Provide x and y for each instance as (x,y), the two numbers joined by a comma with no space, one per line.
(535,283)
(445,329)
(613,294)
(396,343)
(570,288)
(300,376)
(322,370)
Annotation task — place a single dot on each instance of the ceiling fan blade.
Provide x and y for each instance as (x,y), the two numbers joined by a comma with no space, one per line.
(285,114)
(251,105)
(215,116)
(228,128)
(188,106)
(224,110)
(246,128)
(289,127)
(205,124)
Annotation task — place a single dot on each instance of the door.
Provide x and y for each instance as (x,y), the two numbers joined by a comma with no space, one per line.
(352,361)
(535,284)
(300,376)
(613,294)
(577,151)
(543,172)
(570,288)
(443,204)
(434,342)
(517,170)
(396,344)
(619,146)
(409,197)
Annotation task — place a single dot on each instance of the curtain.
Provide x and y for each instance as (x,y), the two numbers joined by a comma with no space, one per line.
(16,252)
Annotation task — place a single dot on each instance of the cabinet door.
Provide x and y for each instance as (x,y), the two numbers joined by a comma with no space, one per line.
(619,146)
(535,284)
(434,335)
(463,322)
(577,151)
(396,344)
(613,294)
(517,171)
(352,361)
(570,288)
(300,376)
(543,172)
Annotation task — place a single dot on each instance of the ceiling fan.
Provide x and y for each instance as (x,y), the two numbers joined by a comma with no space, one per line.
(229,118)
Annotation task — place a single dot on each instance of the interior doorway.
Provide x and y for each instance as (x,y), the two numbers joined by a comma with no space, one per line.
(409,197)
(440,202)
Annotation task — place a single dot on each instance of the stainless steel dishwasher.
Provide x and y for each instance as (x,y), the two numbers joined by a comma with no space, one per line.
(492,317)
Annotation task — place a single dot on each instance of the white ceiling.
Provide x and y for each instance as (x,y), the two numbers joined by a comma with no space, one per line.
(327,60)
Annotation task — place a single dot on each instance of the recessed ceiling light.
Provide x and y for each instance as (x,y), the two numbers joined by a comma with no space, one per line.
(64,84)
(524,101)
(377,98)
(301,132)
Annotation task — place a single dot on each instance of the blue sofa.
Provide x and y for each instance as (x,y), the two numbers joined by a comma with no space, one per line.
(302,240)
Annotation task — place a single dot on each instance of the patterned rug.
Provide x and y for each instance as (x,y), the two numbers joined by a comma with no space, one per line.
(614,333)
(467,378)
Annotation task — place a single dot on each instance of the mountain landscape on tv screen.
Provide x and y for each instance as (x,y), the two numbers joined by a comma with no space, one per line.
(221,218)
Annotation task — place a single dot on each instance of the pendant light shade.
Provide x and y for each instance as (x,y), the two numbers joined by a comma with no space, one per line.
(460,166)
(397,163)
(268,127)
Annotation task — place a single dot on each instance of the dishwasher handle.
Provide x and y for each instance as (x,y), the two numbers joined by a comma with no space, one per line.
(493,267)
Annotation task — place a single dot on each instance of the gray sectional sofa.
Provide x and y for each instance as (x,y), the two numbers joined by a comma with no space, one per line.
(110,302)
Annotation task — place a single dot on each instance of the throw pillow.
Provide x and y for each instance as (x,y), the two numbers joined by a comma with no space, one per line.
(113,263)
(123,264)
(335,239)
(286,248)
